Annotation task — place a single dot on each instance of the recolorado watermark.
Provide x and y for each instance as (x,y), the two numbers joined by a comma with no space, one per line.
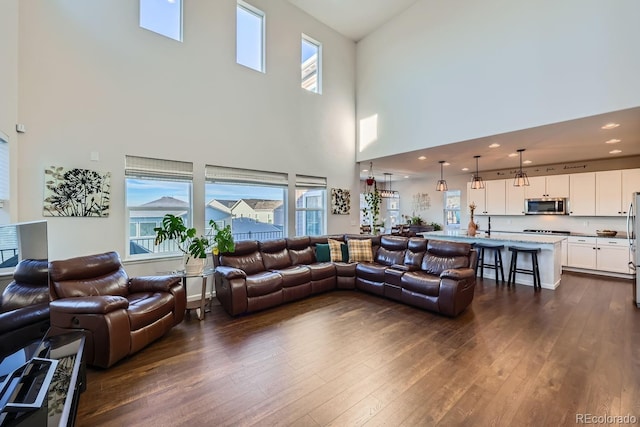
(606,419)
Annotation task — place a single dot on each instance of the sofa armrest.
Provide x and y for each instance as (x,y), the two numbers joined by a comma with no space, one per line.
(457,273)
(230,273)
(152,283)
(89,305)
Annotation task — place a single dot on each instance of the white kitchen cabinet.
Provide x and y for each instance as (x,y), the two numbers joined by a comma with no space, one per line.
(490,200)
(581,252)
(582,194)
(614,189)
(552,186)
(598,253)
(514,203)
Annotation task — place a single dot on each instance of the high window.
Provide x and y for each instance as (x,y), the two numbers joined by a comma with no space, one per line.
(155,187)
(310,66)
(311,205)
(452,209)
(252,202)
(163,17)
(250,30)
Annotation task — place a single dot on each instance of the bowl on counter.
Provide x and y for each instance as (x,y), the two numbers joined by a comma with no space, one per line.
(606,233)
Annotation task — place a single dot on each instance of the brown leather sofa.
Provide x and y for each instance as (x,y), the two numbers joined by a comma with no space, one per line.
(119,315)
(430,274)
(24,305)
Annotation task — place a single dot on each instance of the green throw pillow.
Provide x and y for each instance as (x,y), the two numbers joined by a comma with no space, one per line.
(345,252)
(322,252)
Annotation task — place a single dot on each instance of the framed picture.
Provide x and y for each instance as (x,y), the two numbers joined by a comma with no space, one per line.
(76,192)
(340,201)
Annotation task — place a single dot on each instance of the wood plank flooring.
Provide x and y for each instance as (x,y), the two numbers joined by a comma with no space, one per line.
(346,358)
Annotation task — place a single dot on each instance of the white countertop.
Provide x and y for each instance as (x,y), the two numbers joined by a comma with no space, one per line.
(495,237)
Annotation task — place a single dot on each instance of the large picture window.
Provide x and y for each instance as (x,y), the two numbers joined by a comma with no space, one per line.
(155,187)
(252,202)
(311,205)
(250,36)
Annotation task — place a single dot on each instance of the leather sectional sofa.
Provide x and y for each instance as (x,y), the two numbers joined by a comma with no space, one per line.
(434,275)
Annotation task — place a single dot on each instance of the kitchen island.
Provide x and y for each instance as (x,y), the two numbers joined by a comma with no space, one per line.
(549,258)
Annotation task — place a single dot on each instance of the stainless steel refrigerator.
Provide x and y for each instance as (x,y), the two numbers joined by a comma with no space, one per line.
(633,235)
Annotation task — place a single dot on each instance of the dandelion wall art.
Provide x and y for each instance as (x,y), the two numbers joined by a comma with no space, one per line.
(76,192)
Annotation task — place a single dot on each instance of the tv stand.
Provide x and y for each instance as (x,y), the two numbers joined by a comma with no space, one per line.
(41,383)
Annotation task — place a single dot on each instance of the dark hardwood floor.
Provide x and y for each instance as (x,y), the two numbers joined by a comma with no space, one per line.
(345,358)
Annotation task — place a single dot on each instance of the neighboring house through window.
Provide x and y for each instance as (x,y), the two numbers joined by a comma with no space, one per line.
(163,17)
(252,202)
(311,205)
(250,34)
(155,187)
(311,64)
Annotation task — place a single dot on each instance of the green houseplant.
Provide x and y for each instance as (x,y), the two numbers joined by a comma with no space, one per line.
(372,210)
(193,247)
(222,239)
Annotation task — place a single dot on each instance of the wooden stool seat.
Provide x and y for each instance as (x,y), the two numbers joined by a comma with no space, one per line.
(497,259)
(535,268)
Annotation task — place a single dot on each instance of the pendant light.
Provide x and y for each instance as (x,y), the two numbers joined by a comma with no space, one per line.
(442,184)
(521,178)
(477,183)
(387,192)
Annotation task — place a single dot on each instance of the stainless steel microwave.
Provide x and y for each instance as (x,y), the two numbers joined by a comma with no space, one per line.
(545,207)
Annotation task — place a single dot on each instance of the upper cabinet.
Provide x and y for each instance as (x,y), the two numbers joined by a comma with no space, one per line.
(552,186)
(582,194)
(490,200)
(514,199)
(614,189)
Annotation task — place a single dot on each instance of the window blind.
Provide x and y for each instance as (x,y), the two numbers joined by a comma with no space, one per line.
(310,181)
(157,168)
(246,176)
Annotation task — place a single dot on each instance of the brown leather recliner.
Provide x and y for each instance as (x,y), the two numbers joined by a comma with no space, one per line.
(24,305)
(120,315)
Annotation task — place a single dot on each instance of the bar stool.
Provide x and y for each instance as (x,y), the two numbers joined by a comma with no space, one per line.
(534,271)
(497,259)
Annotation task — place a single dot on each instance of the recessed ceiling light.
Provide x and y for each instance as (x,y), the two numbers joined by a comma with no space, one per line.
(422,158)
(612,141)
(446,164)
(494,145)
(610,126)
(615,151)
(406,176)
(365,170)
(465,169)
(513,154)
(527,162)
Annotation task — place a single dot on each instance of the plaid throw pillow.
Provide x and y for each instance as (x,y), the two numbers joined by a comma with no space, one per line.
(335,250)
(360,250)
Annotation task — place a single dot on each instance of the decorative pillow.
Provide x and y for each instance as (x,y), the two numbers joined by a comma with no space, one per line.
(335,248)
(322,252)
(345,252)
(360,250)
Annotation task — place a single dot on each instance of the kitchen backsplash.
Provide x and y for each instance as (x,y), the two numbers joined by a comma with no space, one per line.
(554,222)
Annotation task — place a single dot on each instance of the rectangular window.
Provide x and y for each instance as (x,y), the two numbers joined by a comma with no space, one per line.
(250,34)
(311,64)
(311,205)
(5,171)
(163,17)
(155,187)
(252,202)
(452,209)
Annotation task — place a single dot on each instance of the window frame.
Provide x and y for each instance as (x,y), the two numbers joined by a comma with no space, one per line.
(318,45)
(446,210)
(181,22)
(159,170)
(263,34)
(308,183)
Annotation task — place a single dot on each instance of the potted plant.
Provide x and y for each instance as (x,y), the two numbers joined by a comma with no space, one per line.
(192,246)
(222,240)
(372,210)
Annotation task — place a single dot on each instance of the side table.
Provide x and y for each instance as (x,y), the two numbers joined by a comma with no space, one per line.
(197,305)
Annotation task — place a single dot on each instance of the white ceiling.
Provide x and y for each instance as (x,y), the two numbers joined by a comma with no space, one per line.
(353,18)
(566,142)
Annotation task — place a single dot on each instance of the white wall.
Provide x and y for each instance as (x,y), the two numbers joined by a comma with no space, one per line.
(91,80)
(449,71)
(9,97)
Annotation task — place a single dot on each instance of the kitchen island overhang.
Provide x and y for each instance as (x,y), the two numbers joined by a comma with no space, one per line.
(549,257)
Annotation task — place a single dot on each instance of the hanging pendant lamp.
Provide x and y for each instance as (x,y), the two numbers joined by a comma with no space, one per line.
(476,182)
(442,184)
(521,178)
